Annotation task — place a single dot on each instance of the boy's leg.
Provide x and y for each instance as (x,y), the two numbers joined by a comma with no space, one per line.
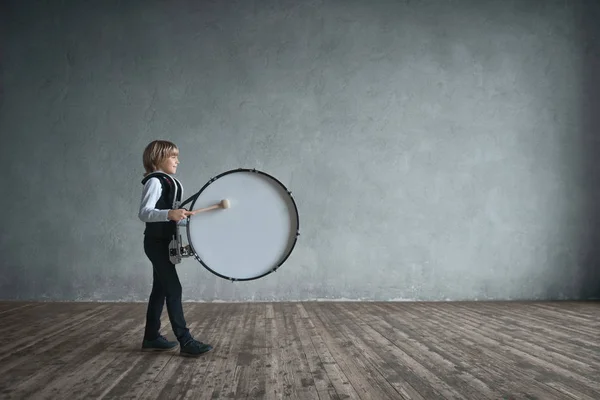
(174,304)
(155,308)
(166,273)
(153,340)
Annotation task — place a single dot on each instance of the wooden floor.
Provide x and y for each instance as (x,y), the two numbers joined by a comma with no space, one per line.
(306,351)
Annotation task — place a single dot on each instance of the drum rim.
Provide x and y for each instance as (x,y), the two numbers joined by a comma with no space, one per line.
(194,197)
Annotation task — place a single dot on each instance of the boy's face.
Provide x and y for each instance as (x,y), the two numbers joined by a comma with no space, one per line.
(169,164)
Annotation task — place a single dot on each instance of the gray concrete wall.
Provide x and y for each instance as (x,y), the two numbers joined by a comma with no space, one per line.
(437,150)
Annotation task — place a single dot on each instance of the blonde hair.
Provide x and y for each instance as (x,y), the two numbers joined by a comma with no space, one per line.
(156,152)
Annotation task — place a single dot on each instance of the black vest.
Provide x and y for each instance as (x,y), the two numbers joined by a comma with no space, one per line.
(171,193)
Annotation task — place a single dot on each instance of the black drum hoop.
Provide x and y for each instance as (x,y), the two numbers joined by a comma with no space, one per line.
(195,196)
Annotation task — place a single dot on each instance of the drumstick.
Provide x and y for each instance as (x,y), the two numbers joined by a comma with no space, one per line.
(223,204)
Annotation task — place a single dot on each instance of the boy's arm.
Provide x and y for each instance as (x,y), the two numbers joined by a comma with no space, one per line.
(150,195)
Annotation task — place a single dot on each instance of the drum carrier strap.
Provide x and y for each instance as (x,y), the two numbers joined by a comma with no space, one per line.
(173,184)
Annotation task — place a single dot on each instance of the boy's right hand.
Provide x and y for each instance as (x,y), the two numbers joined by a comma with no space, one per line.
(178,215)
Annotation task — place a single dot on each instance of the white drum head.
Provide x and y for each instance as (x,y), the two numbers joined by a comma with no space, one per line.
(251,238)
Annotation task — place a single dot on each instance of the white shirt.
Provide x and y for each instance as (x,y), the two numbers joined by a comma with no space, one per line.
(150,195)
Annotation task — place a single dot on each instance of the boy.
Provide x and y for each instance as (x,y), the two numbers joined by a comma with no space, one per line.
(160,191)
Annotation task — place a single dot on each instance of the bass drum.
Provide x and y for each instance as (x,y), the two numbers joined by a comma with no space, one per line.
(251,238)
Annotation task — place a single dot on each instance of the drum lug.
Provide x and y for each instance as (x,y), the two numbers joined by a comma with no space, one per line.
(174,251)
(177,252)
(186,251)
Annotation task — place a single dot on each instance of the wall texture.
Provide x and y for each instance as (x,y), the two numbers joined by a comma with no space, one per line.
(437,150)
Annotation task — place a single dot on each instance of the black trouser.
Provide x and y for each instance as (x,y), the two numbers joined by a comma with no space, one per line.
(165,286)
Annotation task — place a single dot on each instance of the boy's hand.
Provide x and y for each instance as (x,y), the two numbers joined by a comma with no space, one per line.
(178,215)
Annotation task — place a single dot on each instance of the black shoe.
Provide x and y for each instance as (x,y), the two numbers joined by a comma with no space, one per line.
(159,344)
(194,348)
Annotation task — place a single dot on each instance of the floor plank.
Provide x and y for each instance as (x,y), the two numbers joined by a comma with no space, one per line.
(307,350)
